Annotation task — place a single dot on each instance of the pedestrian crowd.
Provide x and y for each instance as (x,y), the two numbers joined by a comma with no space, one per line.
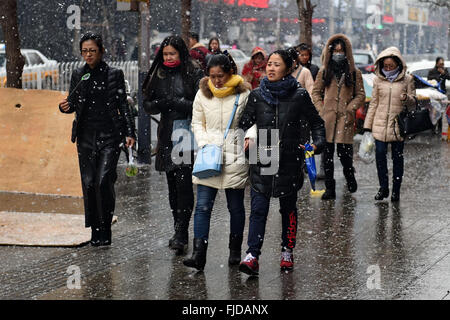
(259,120)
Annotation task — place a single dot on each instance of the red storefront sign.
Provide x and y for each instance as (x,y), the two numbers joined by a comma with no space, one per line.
(249,3)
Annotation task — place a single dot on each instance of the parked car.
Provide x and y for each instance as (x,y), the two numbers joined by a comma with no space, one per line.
(364,60)
(240,58)
(35,64)
(421,69)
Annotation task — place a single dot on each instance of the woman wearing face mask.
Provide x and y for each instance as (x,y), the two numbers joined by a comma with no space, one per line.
(337,94)
(277,106)
(393,90)
(213,107)
(169,90)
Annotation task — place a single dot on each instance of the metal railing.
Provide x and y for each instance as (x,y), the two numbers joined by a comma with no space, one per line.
(56,76)
(65,69)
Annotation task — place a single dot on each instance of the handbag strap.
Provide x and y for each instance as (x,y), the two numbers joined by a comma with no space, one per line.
(232,116)
(298,74)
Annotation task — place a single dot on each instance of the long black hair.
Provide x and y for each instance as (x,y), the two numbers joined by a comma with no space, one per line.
(218,48)
(332,66)
(223,60)
(187,65)
(294,55)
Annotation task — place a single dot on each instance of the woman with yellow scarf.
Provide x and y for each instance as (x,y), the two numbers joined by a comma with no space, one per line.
(212,109)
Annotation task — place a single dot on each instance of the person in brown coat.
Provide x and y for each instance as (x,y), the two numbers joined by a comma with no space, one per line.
(337,93)
(393,90)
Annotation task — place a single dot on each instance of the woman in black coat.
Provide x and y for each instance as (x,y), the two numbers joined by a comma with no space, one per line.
(276,167)
(103,121)
(169,90)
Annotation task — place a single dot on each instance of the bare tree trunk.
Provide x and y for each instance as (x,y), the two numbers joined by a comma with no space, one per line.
(186,6)
(305,13)
(14,59)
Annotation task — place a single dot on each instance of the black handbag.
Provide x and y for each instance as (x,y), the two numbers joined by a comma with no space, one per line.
(415,121)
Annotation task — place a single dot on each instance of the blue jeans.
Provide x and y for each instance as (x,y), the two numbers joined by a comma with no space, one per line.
(205,202)
(381,149)
(258,218)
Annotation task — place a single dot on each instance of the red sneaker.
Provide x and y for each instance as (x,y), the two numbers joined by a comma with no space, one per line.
(249,265)
(287,260)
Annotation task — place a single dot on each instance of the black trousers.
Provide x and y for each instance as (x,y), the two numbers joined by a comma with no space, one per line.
(345,154)
(381,149)
(98,154)
(181,195)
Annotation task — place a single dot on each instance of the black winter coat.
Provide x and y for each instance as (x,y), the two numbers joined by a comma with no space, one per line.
(313,68)
(291,110)
(116,102)
(434,74)
(169,93)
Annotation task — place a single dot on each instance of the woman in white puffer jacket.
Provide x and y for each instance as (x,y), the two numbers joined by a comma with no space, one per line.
(212,109)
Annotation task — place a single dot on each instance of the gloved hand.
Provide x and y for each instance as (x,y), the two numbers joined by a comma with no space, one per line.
(156,106)
(181,104)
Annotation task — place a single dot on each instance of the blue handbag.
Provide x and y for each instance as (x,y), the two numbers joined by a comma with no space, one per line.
(209,158)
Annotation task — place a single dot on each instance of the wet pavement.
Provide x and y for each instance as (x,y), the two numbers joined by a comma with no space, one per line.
(350,248)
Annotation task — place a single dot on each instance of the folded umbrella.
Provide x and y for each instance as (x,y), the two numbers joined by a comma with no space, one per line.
(312,171)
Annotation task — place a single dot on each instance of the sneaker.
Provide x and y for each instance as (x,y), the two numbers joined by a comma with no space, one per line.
(249,265)
(287,260)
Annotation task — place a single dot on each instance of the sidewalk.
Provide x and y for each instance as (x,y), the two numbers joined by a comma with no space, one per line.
(351,248)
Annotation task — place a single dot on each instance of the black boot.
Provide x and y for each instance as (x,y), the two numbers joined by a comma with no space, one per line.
(330,191)
(174,214)
(171,240)
(395,196)
(351,181)
(198,259)
(180,240)
(181,237)
(382,193)
(105,235)
(234,245)
(95,236)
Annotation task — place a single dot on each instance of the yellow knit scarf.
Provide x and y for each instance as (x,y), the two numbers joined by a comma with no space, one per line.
(228,88)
